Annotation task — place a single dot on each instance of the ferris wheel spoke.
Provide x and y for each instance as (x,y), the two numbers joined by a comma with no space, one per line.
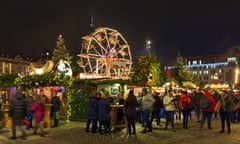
(101,46)
(107,40)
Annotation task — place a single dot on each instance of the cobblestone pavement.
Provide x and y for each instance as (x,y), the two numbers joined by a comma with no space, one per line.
(73,133)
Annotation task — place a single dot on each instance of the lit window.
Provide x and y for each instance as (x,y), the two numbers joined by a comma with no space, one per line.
(212,76)
(194,72)
(194,62)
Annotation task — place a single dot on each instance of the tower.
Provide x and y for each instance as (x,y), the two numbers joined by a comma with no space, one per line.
(92,26)
(148,46)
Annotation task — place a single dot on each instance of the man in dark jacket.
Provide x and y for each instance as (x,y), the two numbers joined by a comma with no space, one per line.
(56,103)
(18,111)
(103,115)
(226,110)
(130,105)
(157,105)
(92,111)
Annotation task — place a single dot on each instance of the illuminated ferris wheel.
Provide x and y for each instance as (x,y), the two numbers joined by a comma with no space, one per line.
(105,52)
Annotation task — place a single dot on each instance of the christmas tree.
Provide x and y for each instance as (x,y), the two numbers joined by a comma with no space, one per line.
(61,52)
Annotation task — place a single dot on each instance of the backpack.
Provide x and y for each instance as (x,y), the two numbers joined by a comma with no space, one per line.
(187,106)
(204,102)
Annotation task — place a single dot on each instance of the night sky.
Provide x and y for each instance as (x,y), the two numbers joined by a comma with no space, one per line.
(193,27)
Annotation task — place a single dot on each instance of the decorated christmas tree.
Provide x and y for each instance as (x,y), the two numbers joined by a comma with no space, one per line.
(61,52)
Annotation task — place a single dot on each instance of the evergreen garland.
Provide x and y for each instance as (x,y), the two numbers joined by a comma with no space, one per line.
(8,80)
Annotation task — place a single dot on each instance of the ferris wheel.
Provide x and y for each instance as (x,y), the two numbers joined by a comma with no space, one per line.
(105,52)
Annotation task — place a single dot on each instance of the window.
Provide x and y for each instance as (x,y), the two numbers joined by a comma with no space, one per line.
(194,72)
(194,62)
(205,72)
(212,76)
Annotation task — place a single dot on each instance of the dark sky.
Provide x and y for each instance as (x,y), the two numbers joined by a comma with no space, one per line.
(193,27)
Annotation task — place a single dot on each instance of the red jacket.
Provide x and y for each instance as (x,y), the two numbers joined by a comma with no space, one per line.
(212,102)
(38,109)
(185,98)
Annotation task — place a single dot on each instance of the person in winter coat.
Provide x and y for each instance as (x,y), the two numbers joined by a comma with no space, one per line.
(92,111)
(98,96)
(185,98)
(130,107)
(147,107)
(103,114)
(156,108)
(18,111)
(207,112)
(56,103)
(169,101)
(226,111)
(196,100)
(38,109)
(29,112)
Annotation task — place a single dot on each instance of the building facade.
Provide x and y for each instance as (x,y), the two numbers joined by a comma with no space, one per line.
(14,65)
(207,69)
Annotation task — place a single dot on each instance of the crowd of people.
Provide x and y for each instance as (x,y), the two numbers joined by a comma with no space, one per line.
(98,111)
(27,112)
(174,104)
